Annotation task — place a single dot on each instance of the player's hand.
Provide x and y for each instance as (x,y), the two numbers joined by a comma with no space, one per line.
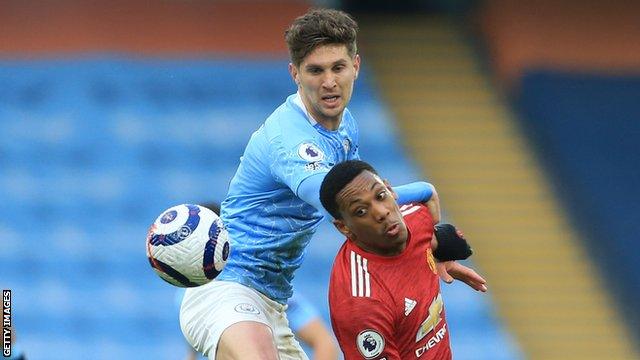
(450,270)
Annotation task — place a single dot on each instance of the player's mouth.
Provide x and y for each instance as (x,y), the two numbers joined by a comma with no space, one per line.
(331,100)
(392,230)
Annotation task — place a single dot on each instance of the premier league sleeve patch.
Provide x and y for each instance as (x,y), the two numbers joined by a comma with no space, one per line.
(370,343)
(310,152)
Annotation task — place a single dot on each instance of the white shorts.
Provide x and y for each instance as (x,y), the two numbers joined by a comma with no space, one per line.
(210,309)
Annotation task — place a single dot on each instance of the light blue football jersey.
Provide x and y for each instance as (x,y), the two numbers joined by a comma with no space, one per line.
(269,225)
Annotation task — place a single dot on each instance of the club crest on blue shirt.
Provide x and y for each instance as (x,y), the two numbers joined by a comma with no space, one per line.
(310,152)
(346,143)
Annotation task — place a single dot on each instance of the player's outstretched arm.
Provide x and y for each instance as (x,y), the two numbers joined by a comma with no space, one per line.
(309,191)
(422,192)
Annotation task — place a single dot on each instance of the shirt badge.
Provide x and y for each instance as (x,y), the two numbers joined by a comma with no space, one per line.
(346,144)
(310,152)
(370,343)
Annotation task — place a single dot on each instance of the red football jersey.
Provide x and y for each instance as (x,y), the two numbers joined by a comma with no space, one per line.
(390,307)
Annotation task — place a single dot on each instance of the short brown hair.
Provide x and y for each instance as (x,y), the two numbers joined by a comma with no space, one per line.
(320,27)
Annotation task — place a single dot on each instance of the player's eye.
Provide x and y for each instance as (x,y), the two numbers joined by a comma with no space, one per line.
(382,195)
(360,212)
(315,71)
(338,68)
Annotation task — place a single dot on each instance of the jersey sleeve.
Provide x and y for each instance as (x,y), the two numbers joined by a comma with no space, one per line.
(419,191)
(309,191)
(364,329)
(291,163)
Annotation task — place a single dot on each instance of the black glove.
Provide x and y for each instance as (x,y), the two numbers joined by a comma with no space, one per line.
(451,243)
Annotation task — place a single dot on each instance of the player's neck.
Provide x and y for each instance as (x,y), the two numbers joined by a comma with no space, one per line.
(329,123)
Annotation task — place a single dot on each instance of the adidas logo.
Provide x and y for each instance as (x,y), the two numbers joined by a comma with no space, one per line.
(409,305)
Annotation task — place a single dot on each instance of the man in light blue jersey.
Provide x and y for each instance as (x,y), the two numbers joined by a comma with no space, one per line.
(271,210)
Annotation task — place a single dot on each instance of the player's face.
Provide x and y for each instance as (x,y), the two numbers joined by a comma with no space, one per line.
(325,81)
(370,215)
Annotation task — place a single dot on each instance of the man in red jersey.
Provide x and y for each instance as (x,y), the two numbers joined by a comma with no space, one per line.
(384,291)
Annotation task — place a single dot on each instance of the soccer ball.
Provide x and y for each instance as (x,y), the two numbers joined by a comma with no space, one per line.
(188,245)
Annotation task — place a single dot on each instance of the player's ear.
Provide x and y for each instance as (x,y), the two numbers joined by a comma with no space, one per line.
(356,64)
(293,70)
(388,185)
(342,227)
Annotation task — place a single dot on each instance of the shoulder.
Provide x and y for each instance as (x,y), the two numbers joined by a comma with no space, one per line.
(287,124)
(347,116)
(416,213)
(344,281)
(355,279)
(340,263)
(349,121)
(419,222)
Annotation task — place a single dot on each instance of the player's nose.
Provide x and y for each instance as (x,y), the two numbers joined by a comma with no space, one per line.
(380,212)
(329,81)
